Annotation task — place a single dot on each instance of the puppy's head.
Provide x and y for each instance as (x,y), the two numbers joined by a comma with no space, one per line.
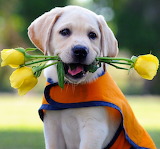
(77,36)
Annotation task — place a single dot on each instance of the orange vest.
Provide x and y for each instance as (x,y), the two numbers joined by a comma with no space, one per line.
(101,92)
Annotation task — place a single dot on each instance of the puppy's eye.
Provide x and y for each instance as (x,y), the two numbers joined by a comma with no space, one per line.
(65,32)
(92,35)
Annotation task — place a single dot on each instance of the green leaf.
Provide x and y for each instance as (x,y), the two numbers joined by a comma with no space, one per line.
(60,72)
(92,68)
(30,49)
(134,58)
(37,70)
(22,50)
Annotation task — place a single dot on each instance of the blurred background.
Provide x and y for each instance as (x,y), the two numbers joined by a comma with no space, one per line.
(136,25)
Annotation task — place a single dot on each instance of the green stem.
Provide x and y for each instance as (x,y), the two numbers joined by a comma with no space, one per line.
(43,56)
(39,61)
(116,62)
(49,65)
(110,58)
(38,69)
(30,49)
(121,63)
(118,67)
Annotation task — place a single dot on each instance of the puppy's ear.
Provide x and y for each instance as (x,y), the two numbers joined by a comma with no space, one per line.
(40,29)
(109,44)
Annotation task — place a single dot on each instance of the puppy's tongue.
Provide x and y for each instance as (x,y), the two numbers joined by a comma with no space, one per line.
(75,71)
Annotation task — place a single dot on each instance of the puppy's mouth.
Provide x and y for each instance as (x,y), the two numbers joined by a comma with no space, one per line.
(75,70)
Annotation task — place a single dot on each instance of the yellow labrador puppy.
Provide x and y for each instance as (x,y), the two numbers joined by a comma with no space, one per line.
(77,36)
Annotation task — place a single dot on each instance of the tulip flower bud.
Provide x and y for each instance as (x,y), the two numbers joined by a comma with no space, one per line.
(23,79)
(146,66)
(12,58)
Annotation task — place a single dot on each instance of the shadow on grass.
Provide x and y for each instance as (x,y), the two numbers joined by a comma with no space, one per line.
(13,139)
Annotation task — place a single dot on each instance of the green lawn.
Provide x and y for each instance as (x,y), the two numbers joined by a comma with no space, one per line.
(21,128)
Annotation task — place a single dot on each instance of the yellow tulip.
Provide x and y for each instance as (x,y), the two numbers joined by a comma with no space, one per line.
(23,79)
(12,58)
(147,66)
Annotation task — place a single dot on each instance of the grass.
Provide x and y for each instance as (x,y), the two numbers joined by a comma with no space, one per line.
(21,139)
(21,128)
(147,111)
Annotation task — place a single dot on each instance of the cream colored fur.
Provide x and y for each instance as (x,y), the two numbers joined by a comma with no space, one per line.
(82,128)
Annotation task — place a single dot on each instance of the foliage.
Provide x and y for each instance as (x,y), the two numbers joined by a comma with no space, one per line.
(138,30)
(20,13)
(138,26)
(15,17)
(135,23)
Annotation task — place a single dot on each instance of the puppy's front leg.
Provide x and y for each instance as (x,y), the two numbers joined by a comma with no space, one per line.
(52,131)
(94,128)
(93,138)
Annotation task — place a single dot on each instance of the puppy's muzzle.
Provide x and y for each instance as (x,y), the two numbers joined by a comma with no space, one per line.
(77,68)
(80,53)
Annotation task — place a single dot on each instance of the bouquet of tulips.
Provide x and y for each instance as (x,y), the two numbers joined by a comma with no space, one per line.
(24,78)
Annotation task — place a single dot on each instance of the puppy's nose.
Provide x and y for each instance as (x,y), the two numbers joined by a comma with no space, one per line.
(80,52)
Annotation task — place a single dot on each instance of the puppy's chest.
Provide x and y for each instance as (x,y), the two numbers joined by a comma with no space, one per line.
(76,124)
(73,121)
(70,126)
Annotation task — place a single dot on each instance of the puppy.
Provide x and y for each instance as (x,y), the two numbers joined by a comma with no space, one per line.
(78,36)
